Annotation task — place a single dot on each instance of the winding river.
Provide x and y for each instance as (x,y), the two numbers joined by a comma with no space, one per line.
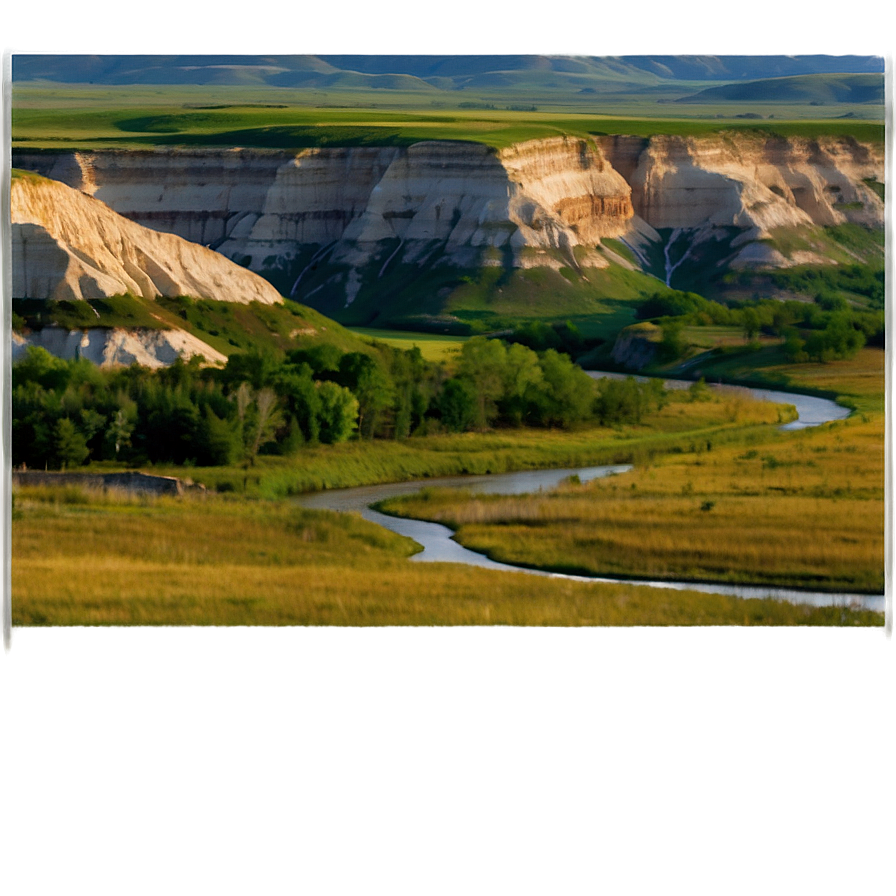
(439,545)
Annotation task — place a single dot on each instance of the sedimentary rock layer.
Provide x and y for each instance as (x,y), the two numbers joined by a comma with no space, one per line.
(542,202)
(66,245)
(108,346)
(749,181)
(263,207)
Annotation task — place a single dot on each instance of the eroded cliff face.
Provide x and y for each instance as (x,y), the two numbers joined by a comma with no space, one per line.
(66,245)
(110,347)
(359,205)
(753,183)
(339,218)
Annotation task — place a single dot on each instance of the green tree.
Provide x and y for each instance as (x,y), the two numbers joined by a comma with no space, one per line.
(118,433)
(219,441)
(338,415)
(566,395)
(457,405)
(371,385)
(522,377)
(482,364)
(71,446)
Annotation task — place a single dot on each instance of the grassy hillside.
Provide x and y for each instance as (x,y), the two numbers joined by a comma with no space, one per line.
(812,89)
(450,300)
(226,326)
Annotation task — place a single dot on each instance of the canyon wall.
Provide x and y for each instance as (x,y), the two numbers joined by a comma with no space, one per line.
(357,212)
(66,245)
(755,183)
(263,209)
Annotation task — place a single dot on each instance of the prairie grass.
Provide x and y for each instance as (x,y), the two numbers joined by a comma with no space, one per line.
(859,380)
(802,509)
(130,118)
(432,346)
(251,562)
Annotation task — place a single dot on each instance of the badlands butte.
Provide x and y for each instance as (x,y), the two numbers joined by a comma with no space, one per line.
(441,235)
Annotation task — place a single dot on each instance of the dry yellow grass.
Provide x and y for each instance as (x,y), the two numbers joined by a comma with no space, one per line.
(220,562)
(803,509)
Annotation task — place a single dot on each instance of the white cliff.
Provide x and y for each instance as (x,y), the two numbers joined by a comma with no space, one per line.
(66,245)
(117,346)
(549,202)
(264,208)
(751,182)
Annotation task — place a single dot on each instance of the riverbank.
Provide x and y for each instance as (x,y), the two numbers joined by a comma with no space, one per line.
(272,562)
(802,511)
(226,560)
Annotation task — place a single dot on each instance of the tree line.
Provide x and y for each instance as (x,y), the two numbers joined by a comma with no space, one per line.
(822,330)
(66,413)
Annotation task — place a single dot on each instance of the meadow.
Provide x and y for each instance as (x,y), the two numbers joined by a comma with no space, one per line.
(433,347)
(83,558)
(141,116)
(91,558)
(801,509)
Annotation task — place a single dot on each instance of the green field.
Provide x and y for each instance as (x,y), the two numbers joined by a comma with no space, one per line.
(140,116)
(432,346)
(274,562)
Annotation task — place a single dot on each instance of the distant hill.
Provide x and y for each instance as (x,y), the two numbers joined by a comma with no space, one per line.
(428,72)
(820,89)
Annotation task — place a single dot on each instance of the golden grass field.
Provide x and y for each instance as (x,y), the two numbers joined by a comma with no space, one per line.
(805,507)
(94,559)
(802,509)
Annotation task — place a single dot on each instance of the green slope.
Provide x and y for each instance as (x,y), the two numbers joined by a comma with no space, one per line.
(811,89)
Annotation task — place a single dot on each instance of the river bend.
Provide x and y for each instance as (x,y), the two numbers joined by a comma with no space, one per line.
(439,545)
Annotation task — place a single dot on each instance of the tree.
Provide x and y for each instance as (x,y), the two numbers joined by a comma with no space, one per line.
(298,390)
(219,441)
(71,446)
(457,405)
(259,417)
(673,344)
(751,324)
(522,377)
(482,365)
(364,376)
(566,395)
(118,435)
(338,413)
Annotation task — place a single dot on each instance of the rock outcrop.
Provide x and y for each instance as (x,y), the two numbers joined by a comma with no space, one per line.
(116,346)
(337,219)
(751,182)
(66,245)
(264,209)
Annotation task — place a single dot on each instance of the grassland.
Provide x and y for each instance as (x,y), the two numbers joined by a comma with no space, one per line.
(271,563)
(433,347)
(801,509)
(135,116)
(226,326)
(253,558)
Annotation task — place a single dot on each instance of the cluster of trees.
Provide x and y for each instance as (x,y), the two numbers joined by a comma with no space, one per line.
(822,330)
(66,413)
(831,281)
